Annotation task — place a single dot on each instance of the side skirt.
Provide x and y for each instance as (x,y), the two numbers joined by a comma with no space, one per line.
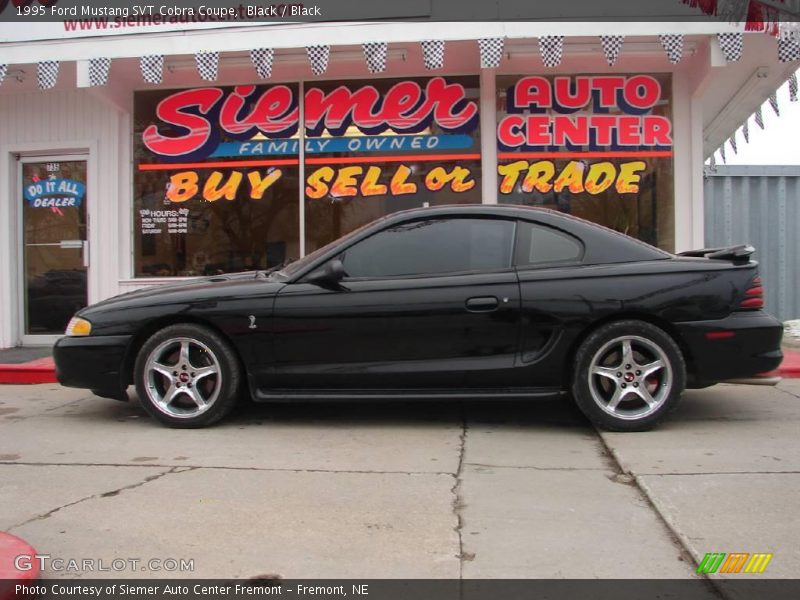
(288,395)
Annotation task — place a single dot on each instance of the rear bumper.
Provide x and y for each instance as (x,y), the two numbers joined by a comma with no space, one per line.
(739,346)
(92,362)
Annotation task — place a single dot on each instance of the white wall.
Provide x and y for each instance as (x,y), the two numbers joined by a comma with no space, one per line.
(53,122)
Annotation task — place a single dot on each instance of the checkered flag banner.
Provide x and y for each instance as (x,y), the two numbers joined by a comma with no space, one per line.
(433,54)
(759,118)
(788,49)
(792,87)
(375,55)
(98,71)
(207,65)
(3,71)
(152,68)
(732,141)
(789,29)
(318,57)
(731,45)
(712,164)
(612,45)
(551,47)
(746,131)
(262,61)
(491,52)
(722,153)
(47,74)
(673,46)
(773,102)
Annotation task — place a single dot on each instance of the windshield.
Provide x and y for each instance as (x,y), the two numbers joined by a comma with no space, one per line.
(294,267)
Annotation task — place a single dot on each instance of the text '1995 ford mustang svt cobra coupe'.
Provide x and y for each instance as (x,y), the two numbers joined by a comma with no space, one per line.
(446,302)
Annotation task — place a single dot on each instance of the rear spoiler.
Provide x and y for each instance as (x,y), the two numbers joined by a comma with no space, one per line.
(738,254)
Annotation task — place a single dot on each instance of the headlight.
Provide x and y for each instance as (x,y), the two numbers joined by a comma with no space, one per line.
(78,327)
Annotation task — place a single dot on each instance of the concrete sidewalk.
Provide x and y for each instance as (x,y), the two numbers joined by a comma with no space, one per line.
(724,472)
(23,354)
(444,490)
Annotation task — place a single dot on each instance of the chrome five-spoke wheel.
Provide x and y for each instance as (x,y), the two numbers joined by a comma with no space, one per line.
(627,375)
(630,377)
(187,375)
(183,377)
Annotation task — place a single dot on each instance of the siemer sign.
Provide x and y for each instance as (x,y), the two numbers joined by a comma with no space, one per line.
(580,118)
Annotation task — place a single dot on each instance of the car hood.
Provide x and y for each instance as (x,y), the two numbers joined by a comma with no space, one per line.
(191,290)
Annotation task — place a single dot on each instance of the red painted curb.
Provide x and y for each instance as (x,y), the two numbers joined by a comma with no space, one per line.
(10,548)
(42,370)
(790,367)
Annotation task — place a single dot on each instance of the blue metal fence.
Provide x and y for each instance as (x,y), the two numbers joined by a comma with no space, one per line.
(760,205)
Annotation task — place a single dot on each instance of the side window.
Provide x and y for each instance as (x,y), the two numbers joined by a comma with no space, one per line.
(541,245)
(431,247)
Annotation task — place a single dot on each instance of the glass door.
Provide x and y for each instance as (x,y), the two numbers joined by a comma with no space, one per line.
(54,245)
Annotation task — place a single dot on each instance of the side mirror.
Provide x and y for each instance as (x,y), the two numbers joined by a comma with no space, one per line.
(329,275)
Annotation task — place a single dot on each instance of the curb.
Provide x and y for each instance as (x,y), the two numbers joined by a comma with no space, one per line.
(790,367)
(42,370)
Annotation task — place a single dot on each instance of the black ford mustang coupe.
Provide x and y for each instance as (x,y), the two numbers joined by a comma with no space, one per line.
(448,302)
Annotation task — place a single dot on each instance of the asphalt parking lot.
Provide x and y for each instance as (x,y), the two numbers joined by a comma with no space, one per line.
(444,490)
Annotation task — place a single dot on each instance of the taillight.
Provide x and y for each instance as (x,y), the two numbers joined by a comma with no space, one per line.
(753,296)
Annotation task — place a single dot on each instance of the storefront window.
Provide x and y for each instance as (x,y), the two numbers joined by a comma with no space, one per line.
(215,180)
(389,145)
(217,169)
(598,147)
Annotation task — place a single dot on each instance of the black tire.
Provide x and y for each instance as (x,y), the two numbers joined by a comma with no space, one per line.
(201,390)
(612,389)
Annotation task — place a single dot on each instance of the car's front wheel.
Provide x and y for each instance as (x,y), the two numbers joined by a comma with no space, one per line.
(628,375)
(187,376)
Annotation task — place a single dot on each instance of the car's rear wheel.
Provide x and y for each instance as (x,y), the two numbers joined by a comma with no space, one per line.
(628,375)
(187,376)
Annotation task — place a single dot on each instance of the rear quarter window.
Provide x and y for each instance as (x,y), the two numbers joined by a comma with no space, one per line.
(539,245)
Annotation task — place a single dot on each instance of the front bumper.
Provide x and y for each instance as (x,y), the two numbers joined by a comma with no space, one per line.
(92,362)
(742,345)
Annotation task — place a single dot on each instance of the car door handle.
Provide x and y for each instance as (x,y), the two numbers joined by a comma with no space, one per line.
(482,304)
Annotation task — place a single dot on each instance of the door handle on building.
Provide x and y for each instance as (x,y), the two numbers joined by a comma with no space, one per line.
(82,245)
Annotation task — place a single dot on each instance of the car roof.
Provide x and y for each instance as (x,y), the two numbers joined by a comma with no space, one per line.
(602,245)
